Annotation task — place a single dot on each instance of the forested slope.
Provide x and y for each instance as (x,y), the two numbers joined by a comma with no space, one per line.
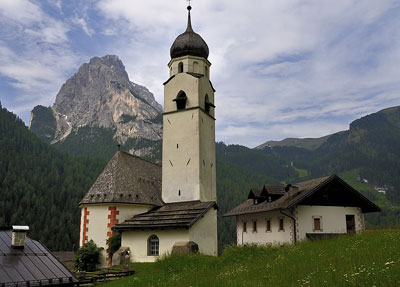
(40,186)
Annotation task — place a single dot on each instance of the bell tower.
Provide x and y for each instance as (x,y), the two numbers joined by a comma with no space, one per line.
(188,152)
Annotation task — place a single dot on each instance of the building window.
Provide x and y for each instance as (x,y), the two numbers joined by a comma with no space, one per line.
(180,100)
(255,226)
(206,71)
(154,245)
(207,104)
(180,67)
(196,67)
(268,229)
(244,226)
(281,225)
(317,224)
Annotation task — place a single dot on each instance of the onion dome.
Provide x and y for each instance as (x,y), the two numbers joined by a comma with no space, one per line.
(189,43)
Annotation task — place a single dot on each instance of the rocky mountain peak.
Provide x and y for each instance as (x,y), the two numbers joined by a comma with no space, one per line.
(100,94)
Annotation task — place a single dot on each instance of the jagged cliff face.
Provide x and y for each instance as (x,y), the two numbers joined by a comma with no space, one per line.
(100,95)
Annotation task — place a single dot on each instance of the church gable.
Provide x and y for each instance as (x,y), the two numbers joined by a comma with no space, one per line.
(127,179)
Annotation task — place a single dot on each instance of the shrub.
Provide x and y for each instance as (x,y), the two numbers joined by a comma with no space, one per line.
(87,257)
(114,243)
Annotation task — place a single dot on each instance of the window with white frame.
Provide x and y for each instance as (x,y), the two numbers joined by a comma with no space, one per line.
(153,246)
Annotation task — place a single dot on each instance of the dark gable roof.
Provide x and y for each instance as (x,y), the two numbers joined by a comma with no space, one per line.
(255,193)
(127,179)
(169,216)
(301,194)
(34,264)
(271,189)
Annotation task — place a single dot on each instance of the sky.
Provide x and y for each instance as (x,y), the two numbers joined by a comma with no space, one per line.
(287,68)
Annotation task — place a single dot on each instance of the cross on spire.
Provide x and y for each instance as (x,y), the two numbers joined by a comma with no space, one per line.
(189,1)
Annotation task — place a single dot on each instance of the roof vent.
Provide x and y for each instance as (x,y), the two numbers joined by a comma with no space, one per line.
(19,236)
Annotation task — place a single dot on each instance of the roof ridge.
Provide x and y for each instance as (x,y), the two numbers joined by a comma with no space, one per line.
(138,157)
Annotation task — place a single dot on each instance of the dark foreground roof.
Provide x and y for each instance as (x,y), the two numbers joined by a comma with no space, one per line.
(326,191)
(34,264)
(169,216)
(127,179)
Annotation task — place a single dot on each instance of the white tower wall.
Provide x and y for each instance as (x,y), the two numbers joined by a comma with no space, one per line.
(189,171)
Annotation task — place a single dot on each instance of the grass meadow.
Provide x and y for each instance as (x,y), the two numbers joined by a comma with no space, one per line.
(368,259)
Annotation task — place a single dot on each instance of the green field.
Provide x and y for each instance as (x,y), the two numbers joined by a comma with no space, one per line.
(360,260)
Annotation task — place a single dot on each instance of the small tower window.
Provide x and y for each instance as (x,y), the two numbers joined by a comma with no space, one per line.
(196,67)
(180,100)
(180,67)
(153,246)
(207,104)
(206,71)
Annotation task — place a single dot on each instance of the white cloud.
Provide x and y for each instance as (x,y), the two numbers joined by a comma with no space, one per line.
(82,23)
(20,11)
(281,68)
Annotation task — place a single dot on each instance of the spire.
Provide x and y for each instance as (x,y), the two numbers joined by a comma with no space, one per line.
(189,25)
(189,43)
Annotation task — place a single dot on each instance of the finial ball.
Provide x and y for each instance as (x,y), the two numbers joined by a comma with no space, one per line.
(189,7)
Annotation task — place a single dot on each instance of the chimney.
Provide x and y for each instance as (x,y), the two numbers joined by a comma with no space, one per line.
(19,236)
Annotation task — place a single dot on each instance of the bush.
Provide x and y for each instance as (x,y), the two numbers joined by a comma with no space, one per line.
(87,257)
(114,243)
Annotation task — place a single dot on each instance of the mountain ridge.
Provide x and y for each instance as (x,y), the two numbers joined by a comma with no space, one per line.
(314,143)
(101,96)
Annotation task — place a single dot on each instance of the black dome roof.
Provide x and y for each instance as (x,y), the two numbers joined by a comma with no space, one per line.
(189,43)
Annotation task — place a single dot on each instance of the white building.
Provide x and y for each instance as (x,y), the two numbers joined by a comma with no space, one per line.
(317,208)
(151,211)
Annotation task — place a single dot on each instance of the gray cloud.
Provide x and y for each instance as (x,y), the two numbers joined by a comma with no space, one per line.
(281,68)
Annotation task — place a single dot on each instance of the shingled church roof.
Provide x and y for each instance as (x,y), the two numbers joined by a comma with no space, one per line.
(127,179)
(326,191)
(171,215)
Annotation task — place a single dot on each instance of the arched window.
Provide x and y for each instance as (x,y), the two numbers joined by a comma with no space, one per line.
(196,68)
(207,104)
(180,67)
(153,246)
(206,71)
(180,100)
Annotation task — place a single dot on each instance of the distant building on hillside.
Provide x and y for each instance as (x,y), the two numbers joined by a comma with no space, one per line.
(26,262)
(158,208)
(316,208)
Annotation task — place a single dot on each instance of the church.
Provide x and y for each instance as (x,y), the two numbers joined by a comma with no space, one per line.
(156,207)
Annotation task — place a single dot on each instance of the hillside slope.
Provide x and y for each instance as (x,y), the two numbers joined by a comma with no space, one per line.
(371,146)
(40,186)
(361,260)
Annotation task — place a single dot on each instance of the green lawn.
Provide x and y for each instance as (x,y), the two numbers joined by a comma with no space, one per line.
(360,260)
